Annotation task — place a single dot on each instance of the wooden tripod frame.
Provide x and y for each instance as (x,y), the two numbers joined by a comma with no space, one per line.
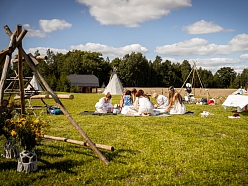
(7,53)
(194,71)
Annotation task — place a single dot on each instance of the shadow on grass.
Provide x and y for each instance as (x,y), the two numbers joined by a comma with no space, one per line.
(8,164)
(61,166)
(120,153)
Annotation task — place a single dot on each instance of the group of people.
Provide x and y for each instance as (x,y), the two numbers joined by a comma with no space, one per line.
(138,103)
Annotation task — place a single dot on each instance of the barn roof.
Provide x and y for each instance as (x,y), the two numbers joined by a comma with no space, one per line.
(84,80)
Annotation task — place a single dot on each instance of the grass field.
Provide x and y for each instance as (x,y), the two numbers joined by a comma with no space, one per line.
(175,150)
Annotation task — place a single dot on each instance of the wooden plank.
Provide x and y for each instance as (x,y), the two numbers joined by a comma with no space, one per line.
(47,96)
(105,147)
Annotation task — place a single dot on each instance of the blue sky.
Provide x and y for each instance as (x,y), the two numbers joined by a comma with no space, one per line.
(214,33)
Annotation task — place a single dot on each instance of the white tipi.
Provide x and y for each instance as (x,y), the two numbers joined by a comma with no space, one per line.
(35,85)
(114,86)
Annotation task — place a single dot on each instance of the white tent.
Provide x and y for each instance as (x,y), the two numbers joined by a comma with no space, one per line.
(35,85)
(240,91)
(114,86)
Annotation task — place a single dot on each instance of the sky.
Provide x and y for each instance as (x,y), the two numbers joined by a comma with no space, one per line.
(212,33)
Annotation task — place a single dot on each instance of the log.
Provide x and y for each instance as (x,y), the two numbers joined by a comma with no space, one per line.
(33,59)
(47,96)
(6,66)
(15,60)
(37,57)
(20,71)
(41,57)
(105,147)
(6,51)
(7,30)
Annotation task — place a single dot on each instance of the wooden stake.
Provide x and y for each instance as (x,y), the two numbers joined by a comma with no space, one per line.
(105,147)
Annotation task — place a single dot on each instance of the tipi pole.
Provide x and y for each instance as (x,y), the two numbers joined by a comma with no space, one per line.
(6,66)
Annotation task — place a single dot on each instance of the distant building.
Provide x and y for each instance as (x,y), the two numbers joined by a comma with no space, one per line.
(86,83)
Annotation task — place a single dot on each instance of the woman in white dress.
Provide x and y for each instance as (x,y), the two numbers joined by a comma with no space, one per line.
(175,105)
(103,105)
(143,105)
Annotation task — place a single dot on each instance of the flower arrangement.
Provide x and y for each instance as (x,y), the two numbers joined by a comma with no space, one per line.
(26,130)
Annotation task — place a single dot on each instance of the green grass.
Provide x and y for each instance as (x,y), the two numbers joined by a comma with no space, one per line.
(176,150)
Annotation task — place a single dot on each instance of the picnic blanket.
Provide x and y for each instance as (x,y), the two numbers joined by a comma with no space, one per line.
(95,113)
(160,115)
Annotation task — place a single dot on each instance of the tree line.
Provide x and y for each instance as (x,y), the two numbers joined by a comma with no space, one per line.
(134,70)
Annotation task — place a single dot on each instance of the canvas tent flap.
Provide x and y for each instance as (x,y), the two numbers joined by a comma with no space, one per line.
(114,86)
(35,84)
(236,101)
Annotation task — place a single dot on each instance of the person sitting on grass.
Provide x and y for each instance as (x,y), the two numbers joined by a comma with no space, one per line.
(121,100)
(103,105)
(162,101)
(142,105)
(133,91)
(175,105)
(127,102)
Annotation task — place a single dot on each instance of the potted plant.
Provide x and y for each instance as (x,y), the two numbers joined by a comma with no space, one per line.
(10,146)
(27,132)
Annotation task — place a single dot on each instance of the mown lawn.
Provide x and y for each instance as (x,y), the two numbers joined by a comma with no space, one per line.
(175,150)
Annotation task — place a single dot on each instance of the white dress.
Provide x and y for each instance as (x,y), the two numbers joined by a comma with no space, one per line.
(102,105)
(145,105)
(178,108)
(161,99)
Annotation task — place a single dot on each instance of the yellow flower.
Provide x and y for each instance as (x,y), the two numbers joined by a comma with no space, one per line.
(36,121)
(13,133)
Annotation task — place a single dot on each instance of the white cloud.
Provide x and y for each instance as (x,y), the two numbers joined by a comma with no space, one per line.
(53,25)
(110,51)
(131,12)
(43,50)
(239,43)
(198,46)
(244,56)
(32,32)
(204,27)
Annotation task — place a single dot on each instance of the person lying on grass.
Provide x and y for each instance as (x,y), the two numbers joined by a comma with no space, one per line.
(104,104)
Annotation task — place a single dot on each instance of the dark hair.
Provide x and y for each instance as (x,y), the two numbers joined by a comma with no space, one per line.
(141,93)
(108,95)
(172,93)
(128,92)
(134,91)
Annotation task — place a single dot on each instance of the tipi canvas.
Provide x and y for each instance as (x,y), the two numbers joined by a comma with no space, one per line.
(114,86)
(35,85)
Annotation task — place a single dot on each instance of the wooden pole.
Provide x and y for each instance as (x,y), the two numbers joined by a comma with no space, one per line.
(47,96)
(20,73)
(62,108)
(6,66)
(105,147)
